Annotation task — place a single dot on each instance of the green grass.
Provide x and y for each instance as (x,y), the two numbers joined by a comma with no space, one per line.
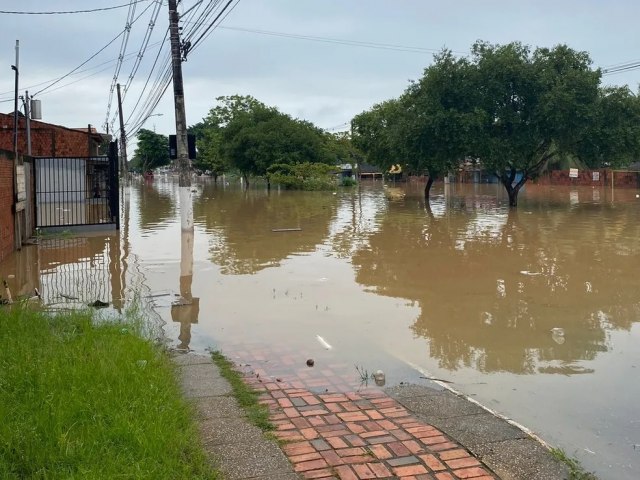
(80,401)
(576,471)
(247,397)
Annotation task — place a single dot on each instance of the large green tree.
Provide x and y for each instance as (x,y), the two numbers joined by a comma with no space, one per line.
(255,137)
(152,151)
(535,107)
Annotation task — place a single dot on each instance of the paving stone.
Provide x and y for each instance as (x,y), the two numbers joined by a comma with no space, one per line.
(203,380)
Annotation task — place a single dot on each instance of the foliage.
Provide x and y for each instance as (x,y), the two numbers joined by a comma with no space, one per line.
(612,138)
(152,151)
(208,140)
(302,176)
(513,109)
(247,397)
(81,400)
(348,182)
(375,132)
(243,133)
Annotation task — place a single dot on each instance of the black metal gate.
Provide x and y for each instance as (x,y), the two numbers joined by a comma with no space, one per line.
(77,192)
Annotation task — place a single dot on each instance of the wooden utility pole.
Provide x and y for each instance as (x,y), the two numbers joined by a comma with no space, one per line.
(123,138)
(184,164)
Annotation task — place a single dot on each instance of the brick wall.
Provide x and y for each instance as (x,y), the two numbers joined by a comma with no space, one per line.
(585,178)
(47,140)
(6,205)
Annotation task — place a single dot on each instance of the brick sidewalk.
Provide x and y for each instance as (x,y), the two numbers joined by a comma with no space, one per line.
(332,430)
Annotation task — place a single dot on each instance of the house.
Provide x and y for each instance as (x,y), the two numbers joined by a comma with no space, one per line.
(49,140)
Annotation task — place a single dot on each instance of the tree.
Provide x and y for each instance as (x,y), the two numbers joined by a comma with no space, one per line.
(152,151)
(375,133)
(438,116)
(209,140)
(255,136)
(535,107)
(613,136)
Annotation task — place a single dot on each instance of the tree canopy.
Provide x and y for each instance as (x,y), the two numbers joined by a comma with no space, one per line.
(512,108)
(152,151)
(243,133)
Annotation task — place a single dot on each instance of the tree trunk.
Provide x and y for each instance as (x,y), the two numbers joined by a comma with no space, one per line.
(246,180)
(427,187)
(215,179)
(513,190)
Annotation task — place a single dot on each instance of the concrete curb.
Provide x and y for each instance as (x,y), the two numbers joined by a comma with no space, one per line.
(237,448)
(510,450)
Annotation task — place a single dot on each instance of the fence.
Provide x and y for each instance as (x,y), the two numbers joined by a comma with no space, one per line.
(77,192)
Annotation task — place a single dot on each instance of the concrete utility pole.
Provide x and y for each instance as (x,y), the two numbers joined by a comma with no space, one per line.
(123,138)
(184,164)
(27,115)
(15,102)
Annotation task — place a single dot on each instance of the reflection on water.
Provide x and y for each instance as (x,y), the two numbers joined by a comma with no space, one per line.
(242,224)
(492,283)
(532,311)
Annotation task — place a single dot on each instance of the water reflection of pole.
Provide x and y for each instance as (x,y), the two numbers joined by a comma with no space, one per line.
(185,311)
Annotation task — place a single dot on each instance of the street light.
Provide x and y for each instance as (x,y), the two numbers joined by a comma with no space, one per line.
(153,115)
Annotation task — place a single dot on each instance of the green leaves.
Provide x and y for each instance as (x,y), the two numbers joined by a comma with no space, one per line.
(152,151)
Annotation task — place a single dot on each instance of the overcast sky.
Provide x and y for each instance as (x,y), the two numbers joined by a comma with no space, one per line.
(324,82)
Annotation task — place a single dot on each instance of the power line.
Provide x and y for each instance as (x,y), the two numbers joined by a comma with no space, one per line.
(91,57)
(67,12)
(123,50)
(341,41)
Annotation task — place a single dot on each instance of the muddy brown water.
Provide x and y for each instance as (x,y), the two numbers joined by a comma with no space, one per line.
(533,312)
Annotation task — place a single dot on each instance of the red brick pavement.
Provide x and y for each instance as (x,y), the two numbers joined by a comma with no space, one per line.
(332,430)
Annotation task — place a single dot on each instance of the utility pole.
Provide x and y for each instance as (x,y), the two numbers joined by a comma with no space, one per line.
(27,117)
(184,164)
(15,102)
(123,138)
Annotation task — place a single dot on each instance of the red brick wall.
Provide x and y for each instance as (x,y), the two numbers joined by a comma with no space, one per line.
(47,140)
(585,178)
(6,205)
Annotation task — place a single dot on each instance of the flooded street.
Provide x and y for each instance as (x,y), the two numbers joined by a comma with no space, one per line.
(532,312)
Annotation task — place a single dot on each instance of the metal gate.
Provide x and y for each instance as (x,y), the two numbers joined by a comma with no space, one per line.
(77,192)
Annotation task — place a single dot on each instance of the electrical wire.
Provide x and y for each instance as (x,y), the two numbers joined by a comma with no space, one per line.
(67,12)
(123,50)
(91,57)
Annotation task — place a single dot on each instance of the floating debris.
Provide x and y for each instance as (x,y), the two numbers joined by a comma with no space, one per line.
(286,229)
(323,342)
(557,334)
(379,378)
(310,362)
(99,304)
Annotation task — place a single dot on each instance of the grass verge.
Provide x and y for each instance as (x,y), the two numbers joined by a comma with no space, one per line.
(576,471)
(81,400)
(247,397)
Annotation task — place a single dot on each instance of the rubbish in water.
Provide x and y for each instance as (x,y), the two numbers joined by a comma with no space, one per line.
(310,362)
(502,289)
(323,342)
(286,229)
(589,451)
(99,304)
(155,295)
(531,274)
(379,378)
(557,334)
(11,276)
(588,286)
(434,379)
(488,318)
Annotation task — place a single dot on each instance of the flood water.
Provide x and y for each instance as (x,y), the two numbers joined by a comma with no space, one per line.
(533,312)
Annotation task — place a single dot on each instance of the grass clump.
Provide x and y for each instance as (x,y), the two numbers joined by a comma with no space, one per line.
(576,471)
(246,396)
(86,400)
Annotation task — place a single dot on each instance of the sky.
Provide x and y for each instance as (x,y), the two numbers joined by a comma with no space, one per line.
(326,81)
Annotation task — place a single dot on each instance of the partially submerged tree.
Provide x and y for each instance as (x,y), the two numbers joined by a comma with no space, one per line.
(152,151)
(534,107)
